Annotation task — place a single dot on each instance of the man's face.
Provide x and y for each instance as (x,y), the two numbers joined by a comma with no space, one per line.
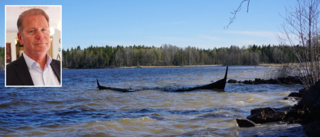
(35,35)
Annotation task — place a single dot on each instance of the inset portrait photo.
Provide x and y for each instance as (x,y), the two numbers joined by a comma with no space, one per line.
(33,39)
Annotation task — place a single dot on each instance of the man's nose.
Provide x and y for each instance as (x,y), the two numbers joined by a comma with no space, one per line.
(39,34)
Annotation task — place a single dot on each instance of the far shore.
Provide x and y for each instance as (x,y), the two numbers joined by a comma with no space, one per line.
(171,66)
(267,65)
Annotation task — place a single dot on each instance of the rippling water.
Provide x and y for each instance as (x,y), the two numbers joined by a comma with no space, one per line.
(80,109)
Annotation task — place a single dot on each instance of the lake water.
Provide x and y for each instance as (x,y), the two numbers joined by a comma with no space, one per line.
(80,109)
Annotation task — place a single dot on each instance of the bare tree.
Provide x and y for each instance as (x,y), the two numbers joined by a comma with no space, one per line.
(128,51)
(119,58)
(301,28)
(235,12)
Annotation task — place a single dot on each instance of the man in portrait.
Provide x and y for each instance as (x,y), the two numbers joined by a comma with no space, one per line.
(35,67)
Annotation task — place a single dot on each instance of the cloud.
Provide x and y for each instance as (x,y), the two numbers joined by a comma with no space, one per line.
(292,40)
(255,33)
(215,38)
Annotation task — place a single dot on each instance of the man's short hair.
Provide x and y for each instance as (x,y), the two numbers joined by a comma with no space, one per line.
(33,11)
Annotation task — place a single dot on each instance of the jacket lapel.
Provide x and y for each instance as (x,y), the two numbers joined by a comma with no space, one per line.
(23,72)
(55,65)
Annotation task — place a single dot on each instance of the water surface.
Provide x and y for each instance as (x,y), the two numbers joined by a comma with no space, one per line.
(80,109)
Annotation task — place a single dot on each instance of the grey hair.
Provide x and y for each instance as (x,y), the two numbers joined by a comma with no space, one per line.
(33,11)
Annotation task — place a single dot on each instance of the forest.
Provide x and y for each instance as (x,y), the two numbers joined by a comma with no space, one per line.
(2,58)
(171,55)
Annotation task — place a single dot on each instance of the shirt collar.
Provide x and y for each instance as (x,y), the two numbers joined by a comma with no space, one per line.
(31,63)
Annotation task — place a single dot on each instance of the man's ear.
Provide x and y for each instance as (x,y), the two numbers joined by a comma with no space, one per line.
(19,38)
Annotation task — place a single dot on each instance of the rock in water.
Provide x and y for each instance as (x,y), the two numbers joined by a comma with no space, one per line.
(245,123)
(265,115)
(311,101)
(312,129)
(232,81)
(295,94)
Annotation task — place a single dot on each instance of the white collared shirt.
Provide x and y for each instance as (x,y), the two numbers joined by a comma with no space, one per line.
(41,77)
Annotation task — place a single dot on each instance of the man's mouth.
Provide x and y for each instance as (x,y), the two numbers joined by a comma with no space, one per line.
(41,43)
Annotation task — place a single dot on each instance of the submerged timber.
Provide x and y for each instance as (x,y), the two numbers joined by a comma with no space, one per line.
(111,88)
(218,85)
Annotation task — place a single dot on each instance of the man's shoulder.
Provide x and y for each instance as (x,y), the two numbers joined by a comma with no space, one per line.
(56,67)
(55,62)
(15,63)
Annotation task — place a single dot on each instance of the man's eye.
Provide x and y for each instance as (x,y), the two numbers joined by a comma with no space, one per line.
(31,31)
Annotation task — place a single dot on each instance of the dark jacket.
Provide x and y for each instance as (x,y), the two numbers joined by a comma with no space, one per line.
(17,72)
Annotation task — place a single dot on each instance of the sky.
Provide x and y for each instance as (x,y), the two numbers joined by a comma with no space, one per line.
(183,23)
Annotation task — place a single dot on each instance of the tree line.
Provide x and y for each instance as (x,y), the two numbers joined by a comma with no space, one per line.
(2,63)
(170,55)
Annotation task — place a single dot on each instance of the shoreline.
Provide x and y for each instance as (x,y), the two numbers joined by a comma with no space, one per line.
(265,65)
(170,66)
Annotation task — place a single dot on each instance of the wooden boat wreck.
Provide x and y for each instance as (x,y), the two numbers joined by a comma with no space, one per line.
(115,89)
(218,85)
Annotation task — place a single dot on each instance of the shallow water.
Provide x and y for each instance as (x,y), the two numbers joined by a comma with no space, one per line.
(80,109)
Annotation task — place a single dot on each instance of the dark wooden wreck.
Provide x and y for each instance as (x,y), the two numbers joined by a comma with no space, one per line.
(218,85)
(115,89)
